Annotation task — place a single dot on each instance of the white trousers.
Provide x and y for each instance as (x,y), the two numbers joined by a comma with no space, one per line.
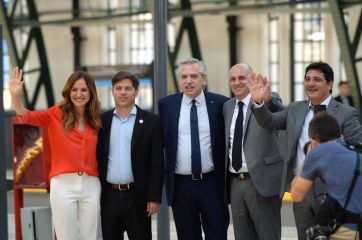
(75,204)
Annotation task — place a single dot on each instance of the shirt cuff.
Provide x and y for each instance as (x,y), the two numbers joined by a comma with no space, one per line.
(258,105)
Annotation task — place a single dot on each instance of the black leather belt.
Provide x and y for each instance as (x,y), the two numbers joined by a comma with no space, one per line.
(242,175)
(122,187)
(196,177)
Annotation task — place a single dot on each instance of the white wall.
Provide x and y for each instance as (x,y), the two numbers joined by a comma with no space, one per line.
(214,49)
(58,46)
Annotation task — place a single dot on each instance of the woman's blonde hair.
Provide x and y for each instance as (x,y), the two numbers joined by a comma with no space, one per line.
(92,108)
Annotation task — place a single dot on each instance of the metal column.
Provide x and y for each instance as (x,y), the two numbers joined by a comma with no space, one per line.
(3,182)
(77,38)
(160,90)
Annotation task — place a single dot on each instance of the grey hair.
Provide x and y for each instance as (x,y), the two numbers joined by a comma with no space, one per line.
(241,65)
(201,64)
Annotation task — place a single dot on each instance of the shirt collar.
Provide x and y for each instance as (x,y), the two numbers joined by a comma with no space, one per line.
(133,112)
(245,100)
(199,99)
(325,102)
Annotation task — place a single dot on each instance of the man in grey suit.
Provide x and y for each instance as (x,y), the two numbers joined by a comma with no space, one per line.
(318,83)
(254,182)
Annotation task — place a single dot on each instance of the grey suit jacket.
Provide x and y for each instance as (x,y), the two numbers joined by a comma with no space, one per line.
(261,149)
(292,119)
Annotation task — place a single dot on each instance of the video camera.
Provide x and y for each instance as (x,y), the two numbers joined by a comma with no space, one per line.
(355,146)
(319,232)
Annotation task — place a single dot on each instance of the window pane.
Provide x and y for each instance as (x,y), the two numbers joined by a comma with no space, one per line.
(274,73)
(274,30)
(299,92)
(298,51)
(274,52)
(299,72)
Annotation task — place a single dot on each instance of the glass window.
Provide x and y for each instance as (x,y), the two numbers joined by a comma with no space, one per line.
(273,52)
(6,66)
(134,41)
(141,39)
(308,44)
(144,98)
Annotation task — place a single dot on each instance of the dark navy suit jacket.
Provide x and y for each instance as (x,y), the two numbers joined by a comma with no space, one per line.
(169,110)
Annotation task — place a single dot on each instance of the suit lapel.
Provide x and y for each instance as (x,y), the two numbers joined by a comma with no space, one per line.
(211,114)
(107,126)
(228,118)
(174,117)
(332,107)
(299,121)
(138,126)
(247,118)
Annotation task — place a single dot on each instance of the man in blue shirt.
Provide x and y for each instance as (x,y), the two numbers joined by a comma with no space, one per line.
(130,163)
(331,161)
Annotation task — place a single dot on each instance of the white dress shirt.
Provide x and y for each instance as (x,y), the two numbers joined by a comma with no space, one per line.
(246,102)
(183,156)
(304,137)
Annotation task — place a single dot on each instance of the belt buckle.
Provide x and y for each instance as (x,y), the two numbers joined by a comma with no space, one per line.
(123,189)
(241,175)
(196,178)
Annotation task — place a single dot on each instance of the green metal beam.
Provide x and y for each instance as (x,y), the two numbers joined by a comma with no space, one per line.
(82,21)
(347,52)
(44,76)
(35,35)
(118,16)
(357,36)
(192,33)
(4,20)
(285,7)
(187,24)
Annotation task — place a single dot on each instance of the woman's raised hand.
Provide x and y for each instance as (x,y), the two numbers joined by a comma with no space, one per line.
(16,87)
(16,83)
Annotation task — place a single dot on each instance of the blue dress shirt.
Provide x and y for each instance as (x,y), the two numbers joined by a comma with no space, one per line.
(119,157)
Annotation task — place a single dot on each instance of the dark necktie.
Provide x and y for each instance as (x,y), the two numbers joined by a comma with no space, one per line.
(318,108)
(238,139)
(195,142)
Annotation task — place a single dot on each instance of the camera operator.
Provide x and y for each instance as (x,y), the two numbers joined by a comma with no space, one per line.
(334,163)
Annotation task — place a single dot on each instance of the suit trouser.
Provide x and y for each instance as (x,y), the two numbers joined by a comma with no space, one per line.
(122,212)
(304,214)
(198,203)
(75,204)
(254,217)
